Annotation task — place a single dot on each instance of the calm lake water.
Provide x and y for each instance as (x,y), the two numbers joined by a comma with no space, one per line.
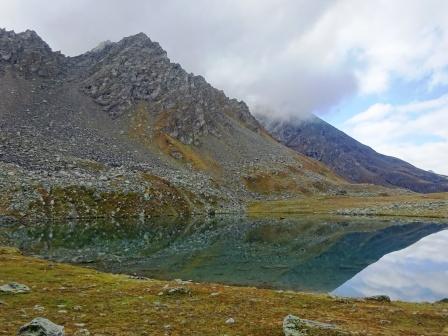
(405,259)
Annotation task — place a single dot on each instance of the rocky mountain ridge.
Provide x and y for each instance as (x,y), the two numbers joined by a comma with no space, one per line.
(122,131)
(351,159)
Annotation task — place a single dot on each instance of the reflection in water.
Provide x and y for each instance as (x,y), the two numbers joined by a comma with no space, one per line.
(305,253)
(416,273)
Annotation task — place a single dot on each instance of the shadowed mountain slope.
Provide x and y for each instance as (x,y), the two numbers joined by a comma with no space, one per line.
(351,159)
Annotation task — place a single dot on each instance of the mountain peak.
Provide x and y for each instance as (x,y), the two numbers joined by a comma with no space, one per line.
(28,54)
(136,70)
(138,37)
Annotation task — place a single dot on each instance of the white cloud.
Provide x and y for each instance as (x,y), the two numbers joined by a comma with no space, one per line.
(416,132)
(289,56)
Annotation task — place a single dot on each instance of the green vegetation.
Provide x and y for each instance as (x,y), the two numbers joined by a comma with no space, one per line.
(404,205)
(159,198)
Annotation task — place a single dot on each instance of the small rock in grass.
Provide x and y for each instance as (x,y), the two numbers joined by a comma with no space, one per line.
(378,298)
(14,288)
(41,327)
(39,308)
(82,332)
(182,282)
(230,320)
(215,294)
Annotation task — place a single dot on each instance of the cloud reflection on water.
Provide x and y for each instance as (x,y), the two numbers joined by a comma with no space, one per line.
(416,273)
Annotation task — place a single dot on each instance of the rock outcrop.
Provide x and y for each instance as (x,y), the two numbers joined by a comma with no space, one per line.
(119,75)
(14,288)
(295,326)
(29,55)
(41,327)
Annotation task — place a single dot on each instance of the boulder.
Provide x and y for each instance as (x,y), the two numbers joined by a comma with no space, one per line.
(378,298)
(14,288)
(41,327)
(295,326)
(177,290)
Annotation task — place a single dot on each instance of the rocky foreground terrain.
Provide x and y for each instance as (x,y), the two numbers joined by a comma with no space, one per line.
(122,131)
(351,159)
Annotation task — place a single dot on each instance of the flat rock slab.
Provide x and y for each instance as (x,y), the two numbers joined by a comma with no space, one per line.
(295,326)
(14,288)
(41,327)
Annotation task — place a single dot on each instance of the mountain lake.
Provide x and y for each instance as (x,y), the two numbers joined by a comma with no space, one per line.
(406,259)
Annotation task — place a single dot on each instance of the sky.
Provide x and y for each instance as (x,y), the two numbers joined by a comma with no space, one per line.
(378,70)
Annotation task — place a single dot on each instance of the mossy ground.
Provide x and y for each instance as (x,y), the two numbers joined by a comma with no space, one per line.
(118,305)
(403,205)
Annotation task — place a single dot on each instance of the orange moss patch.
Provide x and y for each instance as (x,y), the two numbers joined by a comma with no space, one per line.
(289,179)
(273,182)
(155,138)
(185,153)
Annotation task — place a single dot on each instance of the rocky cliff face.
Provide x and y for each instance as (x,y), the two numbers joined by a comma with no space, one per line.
(351,159)
(119,75)
(29,55)
(118,123)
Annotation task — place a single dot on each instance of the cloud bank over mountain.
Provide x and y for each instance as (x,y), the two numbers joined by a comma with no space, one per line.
(284,58)
(287,57)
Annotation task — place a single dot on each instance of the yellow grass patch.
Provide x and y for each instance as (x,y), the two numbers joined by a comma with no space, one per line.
(393,204)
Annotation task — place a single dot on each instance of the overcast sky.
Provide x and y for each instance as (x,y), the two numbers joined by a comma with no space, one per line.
(376,69)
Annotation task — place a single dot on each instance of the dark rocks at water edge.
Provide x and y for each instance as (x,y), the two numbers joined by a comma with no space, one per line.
(41,327)
(14,288)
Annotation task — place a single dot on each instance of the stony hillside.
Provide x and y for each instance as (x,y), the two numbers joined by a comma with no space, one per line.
(122,131)
(351,159)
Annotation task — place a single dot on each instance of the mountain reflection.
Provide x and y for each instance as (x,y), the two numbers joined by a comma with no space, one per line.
(302,253)
(416,273)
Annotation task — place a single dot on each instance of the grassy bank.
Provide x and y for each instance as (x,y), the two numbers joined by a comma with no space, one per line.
(107,304)
(405,205)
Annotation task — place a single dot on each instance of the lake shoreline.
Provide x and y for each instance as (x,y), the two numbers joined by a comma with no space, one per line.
(73,296)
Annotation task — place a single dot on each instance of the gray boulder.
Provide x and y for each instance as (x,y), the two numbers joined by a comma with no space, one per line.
(177,290)
(295,326)
(14,288)
(41,327)
(378,298)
